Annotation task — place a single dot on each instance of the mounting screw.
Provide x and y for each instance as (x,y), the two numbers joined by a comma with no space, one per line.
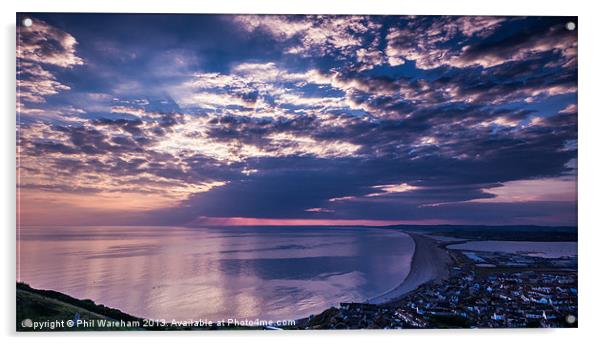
(571,26)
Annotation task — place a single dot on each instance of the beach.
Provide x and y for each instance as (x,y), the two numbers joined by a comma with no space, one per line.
(429,263)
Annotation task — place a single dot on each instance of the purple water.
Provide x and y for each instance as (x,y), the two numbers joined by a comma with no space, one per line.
(183,273)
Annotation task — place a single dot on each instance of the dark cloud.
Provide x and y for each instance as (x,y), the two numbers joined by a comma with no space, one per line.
(537,35)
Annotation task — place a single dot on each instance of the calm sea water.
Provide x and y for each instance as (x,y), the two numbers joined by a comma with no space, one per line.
(182,273)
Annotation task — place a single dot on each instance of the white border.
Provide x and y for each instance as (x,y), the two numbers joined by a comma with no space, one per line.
(589,163)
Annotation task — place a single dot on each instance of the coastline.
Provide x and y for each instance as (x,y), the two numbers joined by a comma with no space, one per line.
(429,263)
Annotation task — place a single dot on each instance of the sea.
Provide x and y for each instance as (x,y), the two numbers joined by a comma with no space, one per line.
(179,273)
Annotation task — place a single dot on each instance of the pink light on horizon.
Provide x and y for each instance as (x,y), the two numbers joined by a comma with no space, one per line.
(244,221)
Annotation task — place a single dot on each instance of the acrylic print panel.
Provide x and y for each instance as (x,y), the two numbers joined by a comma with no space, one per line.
(257,172)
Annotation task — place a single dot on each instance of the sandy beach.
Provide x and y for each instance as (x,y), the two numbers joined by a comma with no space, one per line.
(429,263)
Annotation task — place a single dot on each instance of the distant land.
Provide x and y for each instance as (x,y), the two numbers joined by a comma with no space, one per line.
(497,232)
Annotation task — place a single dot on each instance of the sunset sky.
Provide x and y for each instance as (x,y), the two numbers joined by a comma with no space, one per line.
(247,120)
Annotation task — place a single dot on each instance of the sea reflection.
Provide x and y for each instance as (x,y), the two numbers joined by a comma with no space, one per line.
(182,273)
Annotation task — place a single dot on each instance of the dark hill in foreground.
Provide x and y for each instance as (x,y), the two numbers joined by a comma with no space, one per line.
(47,305)
(35,305)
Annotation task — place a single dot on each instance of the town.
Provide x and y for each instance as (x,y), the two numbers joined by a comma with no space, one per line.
(506,291)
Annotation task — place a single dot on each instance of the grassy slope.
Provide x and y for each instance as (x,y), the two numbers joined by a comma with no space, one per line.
(43,305)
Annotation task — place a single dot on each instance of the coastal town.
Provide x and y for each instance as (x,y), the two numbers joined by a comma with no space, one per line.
(453,283)
(483,290)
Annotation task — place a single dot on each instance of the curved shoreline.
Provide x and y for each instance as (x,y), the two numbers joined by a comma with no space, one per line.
(429,263)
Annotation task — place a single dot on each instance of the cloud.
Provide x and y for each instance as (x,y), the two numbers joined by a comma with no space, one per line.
(103,159)
(521,45)
(34,83)
(569,109)
(550,189)
(41,48)
(297,145)
(340,36)
(319,210)
(428,48)
(138,112)
(459,41)
(194,136)
(47,45)
(392,188)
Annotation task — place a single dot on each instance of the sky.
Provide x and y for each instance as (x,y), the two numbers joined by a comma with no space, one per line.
(296,120)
